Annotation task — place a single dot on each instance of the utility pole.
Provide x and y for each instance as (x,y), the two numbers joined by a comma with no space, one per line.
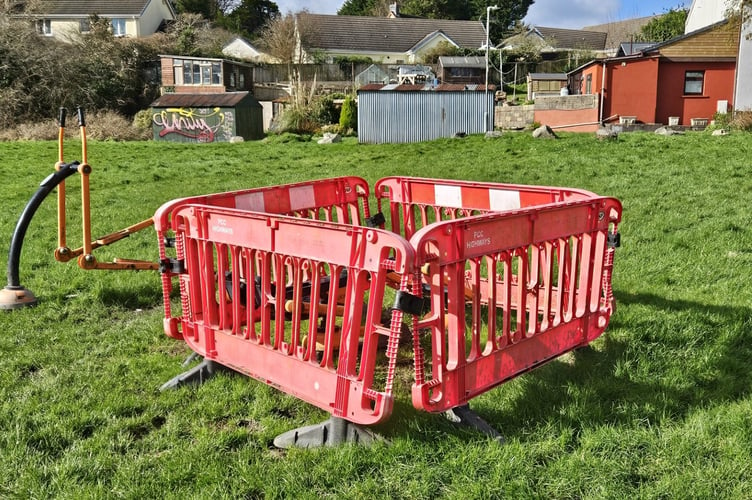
(488,117)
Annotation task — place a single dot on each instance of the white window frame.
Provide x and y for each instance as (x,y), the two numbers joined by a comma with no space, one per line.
(198,72)
(118,26)
(44,27)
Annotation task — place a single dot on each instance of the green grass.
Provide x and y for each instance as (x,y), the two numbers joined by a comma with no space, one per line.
(660,406)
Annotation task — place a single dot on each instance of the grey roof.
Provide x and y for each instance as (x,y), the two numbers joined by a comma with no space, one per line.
(548,76)
(223,99)
(462,62)
(77,8)
(560,38)
(619,31)
(380,34)
(629,48)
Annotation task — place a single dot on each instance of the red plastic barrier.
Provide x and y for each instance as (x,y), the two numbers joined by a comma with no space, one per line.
(416,202)
(286,285)
(539,282)
(341,199)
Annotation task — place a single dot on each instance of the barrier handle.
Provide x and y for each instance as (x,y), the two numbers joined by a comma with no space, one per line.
(81,116)
(61,119)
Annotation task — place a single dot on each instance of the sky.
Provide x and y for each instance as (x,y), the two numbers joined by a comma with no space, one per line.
(573,14)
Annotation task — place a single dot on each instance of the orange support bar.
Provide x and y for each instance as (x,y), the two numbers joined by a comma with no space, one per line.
(84,254)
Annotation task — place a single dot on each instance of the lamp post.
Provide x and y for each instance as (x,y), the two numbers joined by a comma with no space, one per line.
(488,17)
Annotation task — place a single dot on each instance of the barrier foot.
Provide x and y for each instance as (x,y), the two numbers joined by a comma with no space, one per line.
(195,376)
(16,297)
(332,432)
(463,415)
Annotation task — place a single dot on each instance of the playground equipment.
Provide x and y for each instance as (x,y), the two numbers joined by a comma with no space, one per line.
(15,296)
(292,285)
(302,288)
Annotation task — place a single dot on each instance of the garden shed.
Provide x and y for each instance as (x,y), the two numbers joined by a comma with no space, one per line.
(372,74)
(415,113)
(207,117)
(540,84)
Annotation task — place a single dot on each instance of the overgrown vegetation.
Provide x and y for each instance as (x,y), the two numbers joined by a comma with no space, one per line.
(348,119)
(664,27)
(97,71)
(659,407)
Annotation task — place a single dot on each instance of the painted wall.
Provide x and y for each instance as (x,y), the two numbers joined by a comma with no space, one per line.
(632,89)
(572,113)
(704,13)
(155,13)
(193,124)
(743,97)
(718,85)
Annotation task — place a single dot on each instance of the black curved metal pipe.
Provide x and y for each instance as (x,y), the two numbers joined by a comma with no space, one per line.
(47,185)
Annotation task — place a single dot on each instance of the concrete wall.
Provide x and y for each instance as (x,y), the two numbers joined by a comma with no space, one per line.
(573,113)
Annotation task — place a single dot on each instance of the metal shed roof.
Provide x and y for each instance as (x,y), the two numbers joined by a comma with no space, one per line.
(427,87)
(222,100)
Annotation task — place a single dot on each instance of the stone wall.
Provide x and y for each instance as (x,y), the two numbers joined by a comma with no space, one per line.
(514,117)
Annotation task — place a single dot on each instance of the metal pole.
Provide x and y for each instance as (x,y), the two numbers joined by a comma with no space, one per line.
(488,114)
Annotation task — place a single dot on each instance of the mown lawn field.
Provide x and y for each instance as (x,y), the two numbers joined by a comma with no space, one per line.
(659,406)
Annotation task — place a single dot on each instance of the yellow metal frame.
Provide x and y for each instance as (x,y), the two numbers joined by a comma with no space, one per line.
(86,259)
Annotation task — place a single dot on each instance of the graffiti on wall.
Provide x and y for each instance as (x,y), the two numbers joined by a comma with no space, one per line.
(199,124)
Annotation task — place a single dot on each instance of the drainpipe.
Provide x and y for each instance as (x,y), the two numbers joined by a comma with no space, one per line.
(603,91)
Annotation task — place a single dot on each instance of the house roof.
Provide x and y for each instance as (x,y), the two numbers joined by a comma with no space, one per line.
(77,8)
(620,31)
(560,38)
(658,46)
(630,48)
(378,34)
(222,100)
(462,62)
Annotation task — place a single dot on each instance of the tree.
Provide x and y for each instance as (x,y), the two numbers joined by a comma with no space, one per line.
(357,8)
(249,16)
(348,118)
(664,27)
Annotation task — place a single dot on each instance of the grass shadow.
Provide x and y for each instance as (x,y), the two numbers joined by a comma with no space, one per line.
(672,365)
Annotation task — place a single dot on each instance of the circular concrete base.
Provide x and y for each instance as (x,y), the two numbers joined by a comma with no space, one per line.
(16,297)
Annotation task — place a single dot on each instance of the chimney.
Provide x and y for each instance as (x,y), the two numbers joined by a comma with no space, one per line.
(394,9)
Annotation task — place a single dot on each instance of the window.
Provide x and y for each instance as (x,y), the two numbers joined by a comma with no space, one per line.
(589,84)
(118,26)
(84,25)
(44,27)
(197,72)
(693,82)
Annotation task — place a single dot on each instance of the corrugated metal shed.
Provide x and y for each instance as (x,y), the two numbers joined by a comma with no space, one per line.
(415,113)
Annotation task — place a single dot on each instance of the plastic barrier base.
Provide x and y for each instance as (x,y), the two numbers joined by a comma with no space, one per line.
(332,432)
(195,376)
(463,415)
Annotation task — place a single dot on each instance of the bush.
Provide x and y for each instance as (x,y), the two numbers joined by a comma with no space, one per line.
(742,121)
(102,125)
(348,118)
(142,122)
